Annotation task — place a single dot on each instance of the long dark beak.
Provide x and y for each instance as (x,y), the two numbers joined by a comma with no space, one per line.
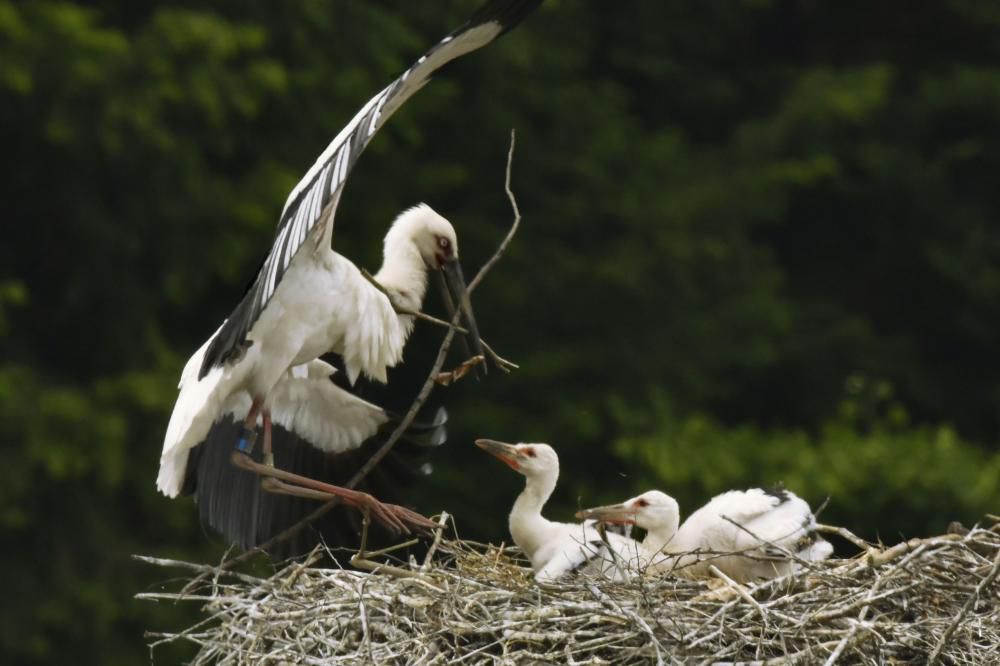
(612,513)
(453,292)
(500,450)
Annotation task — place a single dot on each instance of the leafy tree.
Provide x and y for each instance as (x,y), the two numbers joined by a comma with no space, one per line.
(759,244)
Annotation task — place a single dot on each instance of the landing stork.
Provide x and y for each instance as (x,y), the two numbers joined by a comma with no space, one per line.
(307,300)
(555,549)
(748,535)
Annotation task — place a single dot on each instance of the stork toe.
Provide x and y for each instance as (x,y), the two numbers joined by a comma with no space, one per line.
(412,518)
(398,519)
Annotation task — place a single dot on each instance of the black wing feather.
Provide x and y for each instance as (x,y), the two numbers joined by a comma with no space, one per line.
(231,502)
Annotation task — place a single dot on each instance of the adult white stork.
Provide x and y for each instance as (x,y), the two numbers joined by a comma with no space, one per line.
(307,300)
(318,427)
(748,535)
(555,549)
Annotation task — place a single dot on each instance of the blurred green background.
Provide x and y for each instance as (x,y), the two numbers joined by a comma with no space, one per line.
(760,244)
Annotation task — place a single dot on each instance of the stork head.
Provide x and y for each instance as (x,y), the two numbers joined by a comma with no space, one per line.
(651,510)
(528,459)
(431,234)
(435,240)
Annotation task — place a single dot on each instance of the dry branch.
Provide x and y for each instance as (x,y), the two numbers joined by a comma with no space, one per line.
(474,603)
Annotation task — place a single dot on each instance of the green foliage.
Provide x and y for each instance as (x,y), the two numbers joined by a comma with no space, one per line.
(881,480)
(759,244)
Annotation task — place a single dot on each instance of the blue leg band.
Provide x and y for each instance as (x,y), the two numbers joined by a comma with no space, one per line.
(246,441)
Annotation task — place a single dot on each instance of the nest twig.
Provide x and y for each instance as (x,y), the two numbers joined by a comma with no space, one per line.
(936,600)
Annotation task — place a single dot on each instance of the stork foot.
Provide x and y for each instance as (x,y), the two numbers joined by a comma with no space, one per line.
(446,378)
(396,518)
(393,516)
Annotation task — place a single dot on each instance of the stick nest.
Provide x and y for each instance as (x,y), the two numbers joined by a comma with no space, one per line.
(921,601)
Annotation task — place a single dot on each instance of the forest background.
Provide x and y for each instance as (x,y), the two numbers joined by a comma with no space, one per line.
(760,244)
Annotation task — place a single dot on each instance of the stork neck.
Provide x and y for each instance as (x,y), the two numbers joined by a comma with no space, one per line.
(403,274)
(527,526)
(663,537)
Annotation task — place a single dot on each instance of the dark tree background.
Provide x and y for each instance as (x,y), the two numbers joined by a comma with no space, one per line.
(760,243)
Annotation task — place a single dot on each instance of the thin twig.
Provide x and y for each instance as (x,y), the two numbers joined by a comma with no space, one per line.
(478,603)
(845,533)
(442,521)
(740,590)
(513,227)
(406,311)
(643,625)
(983,584)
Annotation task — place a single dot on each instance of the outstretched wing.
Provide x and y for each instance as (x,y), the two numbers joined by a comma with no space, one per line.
(309,209)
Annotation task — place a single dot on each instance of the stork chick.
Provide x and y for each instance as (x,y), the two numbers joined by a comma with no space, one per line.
(554,549)
(748,535)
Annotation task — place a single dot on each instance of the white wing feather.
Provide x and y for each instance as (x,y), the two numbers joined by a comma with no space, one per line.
(304,401)
(322,413)
(761,526)
(199,404)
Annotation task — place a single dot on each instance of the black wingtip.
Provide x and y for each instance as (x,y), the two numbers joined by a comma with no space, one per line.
(508,13)
(427,436)
(777,490)
(440,417)
(420,426)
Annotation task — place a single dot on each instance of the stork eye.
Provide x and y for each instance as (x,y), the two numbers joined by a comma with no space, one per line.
(443,242)
(530,453)
(641,502)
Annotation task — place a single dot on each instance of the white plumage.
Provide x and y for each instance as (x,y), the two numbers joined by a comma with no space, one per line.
(303,405)
(555,549)
(304,401)
(747,534)
(319,306)
(308,300)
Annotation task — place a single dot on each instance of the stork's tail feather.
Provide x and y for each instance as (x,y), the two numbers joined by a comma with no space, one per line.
(232,503)
(228,497)
(426,434)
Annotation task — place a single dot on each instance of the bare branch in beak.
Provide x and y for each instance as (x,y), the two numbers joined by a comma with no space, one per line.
(455,295)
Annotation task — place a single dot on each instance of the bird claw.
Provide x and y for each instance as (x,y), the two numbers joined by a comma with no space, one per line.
(448,377)
(398,519)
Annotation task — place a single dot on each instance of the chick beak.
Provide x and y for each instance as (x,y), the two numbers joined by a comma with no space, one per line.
(617,514)
(507,453)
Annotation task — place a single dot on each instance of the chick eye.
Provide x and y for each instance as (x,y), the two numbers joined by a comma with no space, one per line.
(443,242)
(641,502)
(530,453)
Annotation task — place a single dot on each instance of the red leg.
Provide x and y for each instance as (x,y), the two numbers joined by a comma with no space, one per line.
(395,517)
(268,454)
(249,434)
(250,422)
